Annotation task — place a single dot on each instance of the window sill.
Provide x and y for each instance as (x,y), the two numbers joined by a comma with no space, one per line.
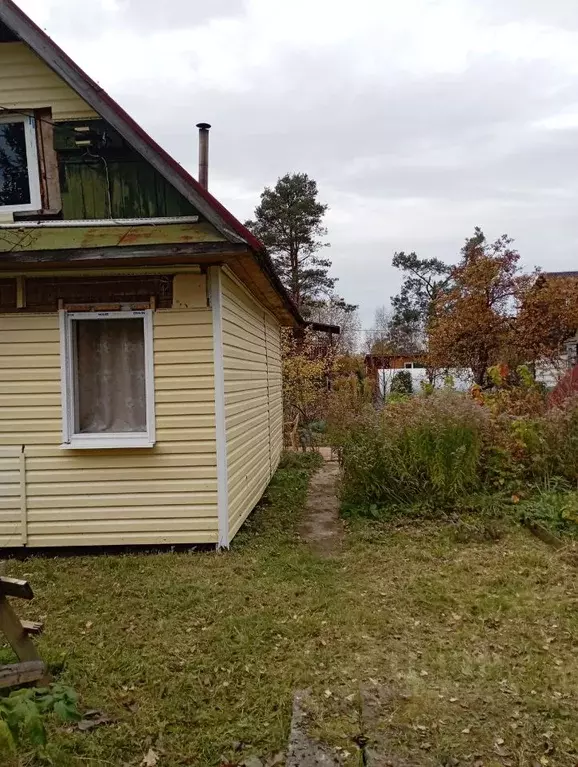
(105,443)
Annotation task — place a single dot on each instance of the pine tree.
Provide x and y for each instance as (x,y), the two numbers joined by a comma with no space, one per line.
(289,222)
(424,280)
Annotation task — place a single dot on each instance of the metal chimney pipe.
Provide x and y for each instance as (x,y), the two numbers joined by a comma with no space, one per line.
(204,154)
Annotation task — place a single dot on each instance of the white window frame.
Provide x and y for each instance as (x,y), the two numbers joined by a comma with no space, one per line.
(31,162)
(74,440)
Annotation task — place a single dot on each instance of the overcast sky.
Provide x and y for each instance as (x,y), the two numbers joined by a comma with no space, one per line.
(419,119)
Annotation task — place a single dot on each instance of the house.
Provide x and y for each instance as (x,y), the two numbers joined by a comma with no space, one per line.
(140,371)
(381,368)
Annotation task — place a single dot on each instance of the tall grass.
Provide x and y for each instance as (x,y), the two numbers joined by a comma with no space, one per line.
(540,447)
(423,450)
(439,451)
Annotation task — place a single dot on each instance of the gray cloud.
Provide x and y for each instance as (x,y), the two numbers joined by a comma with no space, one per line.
(152,14)
(145,16)
(408,157)
(561,13)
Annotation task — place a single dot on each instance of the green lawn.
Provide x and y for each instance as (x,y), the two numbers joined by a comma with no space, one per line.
(468,648)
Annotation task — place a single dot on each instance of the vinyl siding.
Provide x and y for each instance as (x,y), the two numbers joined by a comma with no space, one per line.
(163,495)
(275,389)
(10,508)
(26,82)
(253,415)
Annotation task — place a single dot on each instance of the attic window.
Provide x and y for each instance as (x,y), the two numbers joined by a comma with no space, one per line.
(19,175)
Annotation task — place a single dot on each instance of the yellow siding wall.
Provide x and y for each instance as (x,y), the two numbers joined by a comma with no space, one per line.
(26,82)
(10,511)
(253,408)
(167,494)
(275,388)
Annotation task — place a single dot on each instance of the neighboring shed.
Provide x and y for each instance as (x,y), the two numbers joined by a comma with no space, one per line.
(140,359)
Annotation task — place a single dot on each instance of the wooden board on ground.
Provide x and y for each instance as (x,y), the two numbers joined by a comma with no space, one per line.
(22,673)
(17,632)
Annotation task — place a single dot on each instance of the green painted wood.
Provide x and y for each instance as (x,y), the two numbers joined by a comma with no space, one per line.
(136,189)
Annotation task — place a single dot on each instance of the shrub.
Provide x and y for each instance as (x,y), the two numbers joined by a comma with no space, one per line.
(402,383)
(427,449)
(546,446)
(560,440)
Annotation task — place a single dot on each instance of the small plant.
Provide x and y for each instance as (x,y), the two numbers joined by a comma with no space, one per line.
(555,507)
(23,713)
(449,382)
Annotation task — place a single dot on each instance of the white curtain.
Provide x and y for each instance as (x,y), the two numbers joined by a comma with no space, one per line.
(110,376)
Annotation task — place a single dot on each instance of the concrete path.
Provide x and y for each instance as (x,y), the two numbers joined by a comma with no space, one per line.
(302,750)
(321,526)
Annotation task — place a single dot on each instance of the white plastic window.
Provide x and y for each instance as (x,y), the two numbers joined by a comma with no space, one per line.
(19,172)
(107,379)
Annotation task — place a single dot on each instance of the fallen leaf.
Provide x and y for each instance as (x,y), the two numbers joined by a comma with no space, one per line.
(150,759)
(93,718)
(252,761)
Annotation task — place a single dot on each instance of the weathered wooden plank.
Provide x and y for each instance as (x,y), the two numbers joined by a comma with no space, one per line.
(70,254)
(33,627)
(31,238)
(14,587)
(16,674)
(49,175)
(14,632)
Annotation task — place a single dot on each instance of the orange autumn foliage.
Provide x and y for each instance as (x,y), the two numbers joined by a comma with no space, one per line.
(494,313)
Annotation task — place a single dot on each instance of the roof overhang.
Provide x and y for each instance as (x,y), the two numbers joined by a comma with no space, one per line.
(237,256)
(323,327)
